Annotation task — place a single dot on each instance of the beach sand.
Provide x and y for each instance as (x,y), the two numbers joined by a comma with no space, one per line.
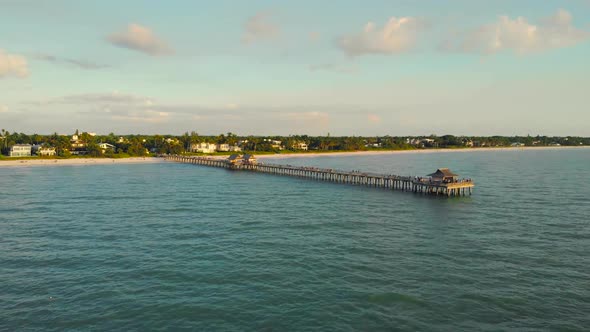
(140,160)
(78,161)
(391,152)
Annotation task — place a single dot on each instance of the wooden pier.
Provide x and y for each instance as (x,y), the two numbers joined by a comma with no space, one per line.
(440,183)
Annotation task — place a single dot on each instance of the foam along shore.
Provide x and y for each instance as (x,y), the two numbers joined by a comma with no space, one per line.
(33,161)
(391,152)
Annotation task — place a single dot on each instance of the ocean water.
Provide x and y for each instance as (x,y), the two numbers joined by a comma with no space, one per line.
(182,247)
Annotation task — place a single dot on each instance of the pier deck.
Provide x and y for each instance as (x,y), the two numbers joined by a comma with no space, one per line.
(427,186)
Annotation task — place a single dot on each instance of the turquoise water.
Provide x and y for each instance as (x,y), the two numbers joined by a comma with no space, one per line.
(181,247)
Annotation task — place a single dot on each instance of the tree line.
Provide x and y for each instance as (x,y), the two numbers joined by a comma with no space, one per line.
(142,145)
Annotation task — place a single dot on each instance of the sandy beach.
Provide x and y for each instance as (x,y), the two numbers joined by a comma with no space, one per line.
(141,160)
(374,153)
(78,161)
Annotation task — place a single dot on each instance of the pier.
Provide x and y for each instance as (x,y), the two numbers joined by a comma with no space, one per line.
(441,183)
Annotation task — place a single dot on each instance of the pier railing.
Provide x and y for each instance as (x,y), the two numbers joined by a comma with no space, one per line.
(387,181)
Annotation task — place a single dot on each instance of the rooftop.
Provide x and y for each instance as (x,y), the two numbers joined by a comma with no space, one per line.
(445,172)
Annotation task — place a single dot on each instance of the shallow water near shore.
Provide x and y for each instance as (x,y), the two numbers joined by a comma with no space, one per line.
(173,246)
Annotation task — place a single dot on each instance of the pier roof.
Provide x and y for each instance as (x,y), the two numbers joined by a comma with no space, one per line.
(233,157)
(443,172)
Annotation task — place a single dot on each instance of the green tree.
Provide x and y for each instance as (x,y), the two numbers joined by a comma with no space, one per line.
(93,149)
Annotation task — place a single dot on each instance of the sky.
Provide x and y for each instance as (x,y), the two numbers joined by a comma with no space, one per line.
(372,67)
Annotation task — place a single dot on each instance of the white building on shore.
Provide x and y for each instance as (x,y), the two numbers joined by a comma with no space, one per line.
(223,147)
(21,150)
(204,147)
(106,146)
(43,151)
(300,145)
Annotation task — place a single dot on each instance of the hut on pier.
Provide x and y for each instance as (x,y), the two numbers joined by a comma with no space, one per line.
(444,175)
(234,159)
(249,159)
(241,159)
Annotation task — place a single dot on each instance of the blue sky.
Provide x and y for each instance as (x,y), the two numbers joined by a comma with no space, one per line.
(395,67)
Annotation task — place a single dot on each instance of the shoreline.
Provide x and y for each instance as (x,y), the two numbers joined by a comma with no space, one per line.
(78,161)
(151,160)
(417,151)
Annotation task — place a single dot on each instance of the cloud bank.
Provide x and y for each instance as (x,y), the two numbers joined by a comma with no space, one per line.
(517,35)
(140,38)
(13,65)
(398,35)
(520,36)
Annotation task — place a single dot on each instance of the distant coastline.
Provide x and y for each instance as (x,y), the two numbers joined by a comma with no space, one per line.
(414,151)
(34,161)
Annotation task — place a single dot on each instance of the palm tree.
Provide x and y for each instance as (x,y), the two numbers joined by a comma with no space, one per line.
(220,139)
(4,139)
(6,134)
(186,140)
(232,138)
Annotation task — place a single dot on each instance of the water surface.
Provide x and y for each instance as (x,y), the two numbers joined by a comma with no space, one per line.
(173,246)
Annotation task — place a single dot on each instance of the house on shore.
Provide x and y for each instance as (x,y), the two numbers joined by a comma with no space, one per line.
(275,144)
(76,142)
(300,145)
(422,142)
(223,147)
(172,141)
(106,147)
(78,146)
(20,150)
(47,152)
(204,147)
(373,145)
(43,151)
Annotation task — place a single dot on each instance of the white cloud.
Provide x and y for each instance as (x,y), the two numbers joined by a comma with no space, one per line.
(139,38)
(259,28)
(398,35)
(13,65)
(520,36)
